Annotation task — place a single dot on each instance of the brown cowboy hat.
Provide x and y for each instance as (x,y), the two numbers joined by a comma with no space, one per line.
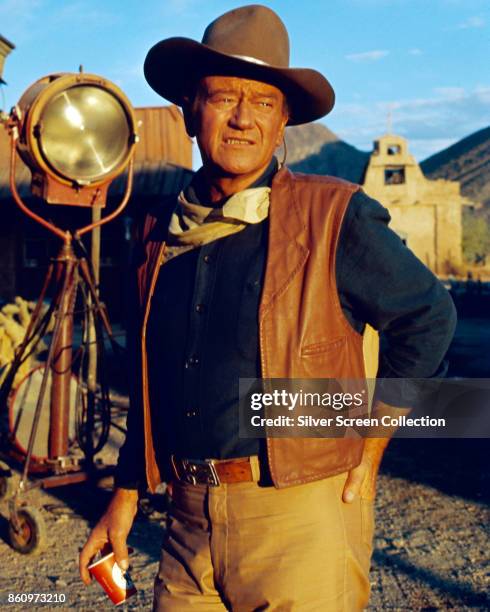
(249,42)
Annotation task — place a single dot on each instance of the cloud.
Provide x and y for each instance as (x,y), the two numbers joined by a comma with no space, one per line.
(367,56)
(449,114)
(415,52)
(19,19)
(20,8)
(483,93)
(471,22)
(180,7)
(125,75)
(78,12)
(422,148)
(450,93)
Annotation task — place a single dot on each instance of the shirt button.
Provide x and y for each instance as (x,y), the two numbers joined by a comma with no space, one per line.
(200,308)
(192,361)
(207,259)
(253,286)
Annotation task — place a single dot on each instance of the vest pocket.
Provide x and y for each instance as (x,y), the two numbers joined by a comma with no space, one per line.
(326,346)
(325,359)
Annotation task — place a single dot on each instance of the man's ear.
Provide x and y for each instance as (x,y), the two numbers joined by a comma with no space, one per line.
(285,119)
(189,119)
(280,135)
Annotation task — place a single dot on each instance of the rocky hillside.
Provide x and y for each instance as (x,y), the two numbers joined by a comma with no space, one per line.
(467,161)
(314,149)
(305,140)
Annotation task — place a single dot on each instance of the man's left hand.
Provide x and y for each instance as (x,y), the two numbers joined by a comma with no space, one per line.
(362,479)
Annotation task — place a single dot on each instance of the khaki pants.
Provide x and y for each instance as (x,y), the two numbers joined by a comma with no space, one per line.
(242,547)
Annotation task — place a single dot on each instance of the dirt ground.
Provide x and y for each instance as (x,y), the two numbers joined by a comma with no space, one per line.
(431,545)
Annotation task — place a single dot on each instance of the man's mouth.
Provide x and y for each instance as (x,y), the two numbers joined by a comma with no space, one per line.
(238,141)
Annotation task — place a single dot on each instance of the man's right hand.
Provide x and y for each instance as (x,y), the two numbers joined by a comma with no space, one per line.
(113,530)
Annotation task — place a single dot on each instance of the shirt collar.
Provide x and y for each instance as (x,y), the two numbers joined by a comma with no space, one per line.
(193,192)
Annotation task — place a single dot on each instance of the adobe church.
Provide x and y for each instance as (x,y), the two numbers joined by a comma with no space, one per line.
(426,214)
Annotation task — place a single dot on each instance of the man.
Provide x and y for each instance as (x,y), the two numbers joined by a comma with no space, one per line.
(265,274)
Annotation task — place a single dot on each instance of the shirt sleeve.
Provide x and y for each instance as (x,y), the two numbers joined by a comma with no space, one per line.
(381,282)
(130,471)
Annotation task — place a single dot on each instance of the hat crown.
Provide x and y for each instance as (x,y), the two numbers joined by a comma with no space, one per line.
(254,32)
(250,42)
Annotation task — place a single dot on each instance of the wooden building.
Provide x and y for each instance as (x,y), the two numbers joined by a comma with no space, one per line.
(163,165)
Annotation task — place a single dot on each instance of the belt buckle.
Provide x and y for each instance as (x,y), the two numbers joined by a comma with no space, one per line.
(198,471)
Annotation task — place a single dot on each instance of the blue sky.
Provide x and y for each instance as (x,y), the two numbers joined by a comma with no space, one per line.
(426,60)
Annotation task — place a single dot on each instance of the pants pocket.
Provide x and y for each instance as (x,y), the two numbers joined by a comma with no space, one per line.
(367,521)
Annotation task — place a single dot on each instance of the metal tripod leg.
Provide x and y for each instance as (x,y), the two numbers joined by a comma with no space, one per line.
(63,302)
(20,351)
(96,316)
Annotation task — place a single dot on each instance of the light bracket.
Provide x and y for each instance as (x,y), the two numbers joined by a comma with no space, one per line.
(77,133)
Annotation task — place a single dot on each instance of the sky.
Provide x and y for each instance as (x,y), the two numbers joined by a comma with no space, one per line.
(424,62)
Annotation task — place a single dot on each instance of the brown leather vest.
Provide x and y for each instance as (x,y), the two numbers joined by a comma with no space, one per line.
(303,332)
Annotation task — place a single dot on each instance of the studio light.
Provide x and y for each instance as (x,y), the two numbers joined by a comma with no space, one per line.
(76,132)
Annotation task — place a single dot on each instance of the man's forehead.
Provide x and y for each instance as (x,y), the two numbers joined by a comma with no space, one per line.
(211,84)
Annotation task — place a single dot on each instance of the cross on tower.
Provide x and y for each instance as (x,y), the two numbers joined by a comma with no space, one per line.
(389,120)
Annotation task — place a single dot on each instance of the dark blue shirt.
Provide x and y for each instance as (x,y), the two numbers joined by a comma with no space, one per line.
(202,331)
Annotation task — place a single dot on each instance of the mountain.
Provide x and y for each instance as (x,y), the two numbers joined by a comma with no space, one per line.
(467,161)
(305,140)
(314,149)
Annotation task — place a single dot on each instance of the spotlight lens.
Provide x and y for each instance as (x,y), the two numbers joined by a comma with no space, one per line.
(84,133)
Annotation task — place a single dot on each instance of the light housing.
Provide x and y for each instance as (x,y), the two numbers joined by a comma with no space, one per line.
(76,133)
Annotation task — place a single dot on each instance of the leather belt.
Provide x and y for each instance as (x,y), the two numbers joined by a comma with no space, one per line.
(213,472)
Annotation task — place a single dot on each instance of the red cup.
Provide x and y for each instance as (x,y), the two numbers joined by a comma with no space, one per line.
(115,582)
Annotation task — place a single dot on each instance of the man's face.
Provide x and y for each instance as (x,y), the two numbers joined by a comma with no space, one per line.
(238,124)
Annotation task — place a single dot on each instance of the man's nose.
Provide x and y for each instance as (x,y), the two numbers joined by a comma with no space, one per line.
(242,117)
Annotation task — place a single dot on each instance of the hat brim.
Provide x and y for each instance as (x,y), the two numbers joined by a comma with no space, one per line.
(173,65)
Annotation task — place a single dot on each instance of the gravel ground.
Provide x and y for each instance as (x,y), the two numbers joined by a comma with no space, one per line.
(431,545)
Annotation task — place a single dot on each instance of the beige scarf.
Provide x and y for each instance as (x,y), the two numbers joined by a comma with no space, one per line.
(193,225)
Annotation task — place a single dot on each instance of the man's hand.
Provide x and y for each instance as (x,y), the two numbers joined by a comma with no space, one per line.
(362,479)
(112,529)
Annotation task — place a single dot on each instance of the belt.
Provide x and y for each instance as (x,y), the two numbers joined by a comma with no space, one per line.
(213,472)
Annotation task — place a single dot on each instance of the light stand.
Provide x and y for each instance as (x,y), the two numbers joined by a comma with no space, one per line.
(62,129)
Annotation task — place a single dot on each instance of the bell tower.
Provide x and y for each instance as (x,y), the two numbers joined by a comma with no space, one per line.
(427,215)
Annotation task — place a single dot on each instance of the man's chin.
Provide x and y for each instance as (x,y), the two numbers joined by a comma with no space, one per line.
(239,168)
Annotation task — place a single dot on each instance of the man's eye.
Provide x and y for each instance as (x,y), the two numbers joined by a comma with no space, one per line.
(265,104)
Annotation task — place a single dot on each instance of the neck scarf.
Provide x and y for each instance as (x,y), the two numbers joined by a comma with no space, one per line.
(193,225)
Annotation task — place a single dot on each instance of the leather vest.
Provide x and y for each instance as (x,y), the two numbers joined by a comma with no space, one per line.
(303,332)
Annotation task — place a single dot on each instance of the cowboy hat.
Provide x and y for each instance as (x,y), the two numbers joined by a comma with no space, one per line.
(249,42)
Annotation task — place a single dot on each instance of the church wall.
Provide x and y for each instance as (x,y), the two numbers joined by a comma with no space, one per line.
(450,237)
(428,214)
(417,226)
